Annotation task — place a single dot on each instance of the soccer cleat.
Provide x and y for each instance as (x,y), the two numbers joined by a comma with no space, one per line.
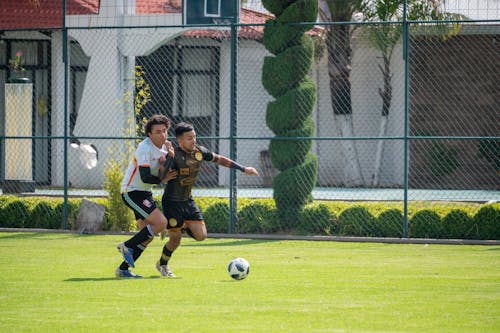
(127,253)
(125,273)
(164,270)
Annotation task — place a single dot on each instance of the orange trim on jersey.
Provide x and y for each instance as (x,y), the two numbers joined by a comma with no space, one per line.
(133,173)
(194,222)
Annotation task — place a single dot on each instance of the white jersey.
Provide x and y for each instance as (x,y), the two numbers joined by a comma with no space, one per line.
(146,155)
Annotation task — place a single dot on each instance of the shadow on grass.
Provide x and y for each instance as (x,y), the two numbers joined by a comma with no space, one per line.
(35,235)
(87,279)
(237,242)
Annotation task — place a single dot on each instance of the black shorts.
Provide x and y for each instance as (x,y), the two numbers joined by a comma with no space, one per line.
(141,202)
(177,212)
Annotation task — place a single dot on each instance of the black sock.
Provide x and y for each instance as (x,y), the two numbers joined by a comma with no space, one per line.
(165,256)
(142,236)
(137,253)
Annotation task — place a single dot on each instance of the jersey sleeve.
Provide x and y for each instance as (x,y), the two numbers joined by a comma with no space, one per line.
(207,154)
(143,156)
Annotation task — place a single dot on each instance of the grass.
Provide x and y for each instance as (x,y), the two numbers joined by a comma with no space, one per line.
(65,283)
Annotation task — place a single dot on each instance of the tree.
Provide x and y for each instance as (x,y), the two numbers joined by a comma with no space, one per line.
(338,44)
(285,77)
(385,38)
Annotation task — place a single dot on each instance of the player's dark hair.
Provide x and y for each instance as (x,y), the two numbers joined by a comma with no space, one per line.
(157,119)
(182,128)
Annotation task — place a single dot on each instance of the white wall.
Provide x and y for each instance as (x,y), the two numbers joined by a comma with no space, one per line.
(251,102)
(366,79)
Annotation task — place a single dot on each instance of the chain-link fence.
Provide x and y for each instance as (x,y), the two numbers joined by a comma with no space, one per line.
(368,128)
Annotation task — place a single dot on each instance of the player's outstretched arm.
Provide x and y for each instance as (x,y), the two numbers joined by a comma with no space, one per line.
(228,163)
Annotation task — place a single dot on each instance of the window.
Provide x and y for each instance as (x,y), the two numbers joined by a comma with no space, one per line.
(212,8)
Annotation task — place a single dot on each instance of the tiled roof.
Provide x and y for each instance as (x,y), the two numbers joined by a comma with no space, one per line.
(48,14)
(41,13)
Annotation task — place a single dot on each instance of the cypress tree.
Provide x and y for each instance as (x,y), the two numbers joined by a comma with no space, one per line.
(285,77)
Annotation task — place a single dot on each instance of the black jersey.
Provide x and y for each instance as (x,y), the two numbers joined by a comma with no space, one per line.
(187,166)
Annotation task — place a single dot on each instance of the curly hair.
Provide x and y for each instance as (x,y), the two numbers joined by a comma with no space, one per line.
(157,119)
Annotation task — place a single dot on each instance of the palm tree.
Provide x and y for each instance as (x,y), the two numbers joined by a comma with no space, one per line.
(338,44)
(385,38)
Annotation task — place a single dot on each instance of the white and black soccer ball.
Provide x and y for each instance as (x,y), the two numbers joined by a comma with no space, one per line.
(238,268)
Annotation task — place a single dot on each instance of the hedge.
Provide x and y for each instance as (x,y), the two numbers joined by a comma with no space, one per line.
(426,220)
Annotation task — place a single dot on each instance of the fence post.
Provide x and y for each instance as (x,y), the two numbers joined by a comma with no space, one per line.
(233,193)
(65,149)
(406,129)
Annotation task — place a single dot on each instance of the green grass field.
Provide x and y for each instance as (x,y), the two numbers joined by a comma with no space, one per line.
(66,283)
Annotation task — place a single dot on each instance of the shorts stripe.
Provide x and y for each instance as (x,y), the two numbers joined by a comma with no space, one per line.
(135,206)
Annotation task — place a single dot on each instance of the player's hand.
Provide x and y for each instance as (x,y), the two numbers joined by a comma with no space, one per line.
(171,174)
(251,171)
(170,148)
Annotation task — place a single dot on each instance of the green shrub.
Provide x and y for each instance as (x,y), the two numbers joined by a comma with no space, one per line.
(5,199)
(390,223)
(205,202)
(45,216)
(15,214)
(356,221)
(298,102)
(292,189)
(119,216)
(425,224)
(317,219)
(216,217)
(73,205)
(285,76)
(487,221)
(257,217)
(457,224)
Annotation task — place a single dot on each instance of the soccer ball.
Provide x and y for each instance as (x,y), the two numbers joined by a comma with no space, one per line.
(238,268)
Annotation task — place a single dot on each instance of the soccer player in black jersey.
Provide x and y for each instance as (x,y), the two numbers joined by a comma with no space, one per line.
(179,208)
(142,173)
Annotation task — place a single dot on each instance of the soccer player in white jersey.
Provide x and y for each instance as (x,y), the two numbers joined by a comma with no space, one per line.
(136,189)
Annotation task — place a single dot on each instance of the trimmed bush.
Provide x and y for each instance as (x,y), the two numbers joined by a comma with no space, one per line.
(285,77)
(15,214)
(356,221)
(457,224)
(257,217)
(290,194)
(298,102)
(317,219)
(73,206)
(45,216)
(390,223)
(287,69)
(487,221)
(217,217)
(425,224)
(284,153)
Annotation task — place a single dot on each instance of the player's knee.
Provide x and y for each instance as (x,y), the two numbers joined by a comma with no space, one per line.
(174,243)
(201,236)
(175,238)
